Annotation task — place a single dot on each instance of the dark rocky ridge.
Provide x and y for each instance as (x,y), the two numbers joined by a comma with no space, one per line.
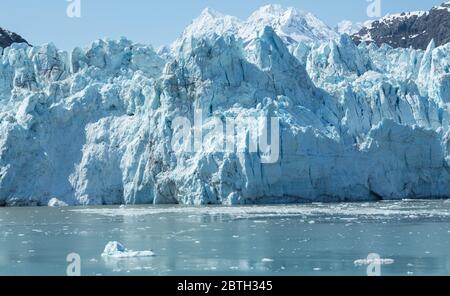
(409,29)
(7,38)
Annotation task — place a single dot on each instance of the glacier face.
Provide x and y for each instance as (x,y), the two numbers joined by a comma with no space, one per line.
(94,126)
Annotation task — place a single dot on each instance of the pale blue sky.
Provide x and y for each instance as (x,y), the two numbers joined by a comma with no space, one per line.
(158,22)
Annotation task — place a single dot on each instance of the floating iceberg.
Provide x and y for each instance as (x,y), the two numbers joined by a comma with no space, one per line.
(54,202)
(117,250)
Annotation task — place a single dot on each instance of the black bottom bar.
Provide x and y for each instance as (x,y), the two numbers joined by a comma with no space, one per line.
(229,285)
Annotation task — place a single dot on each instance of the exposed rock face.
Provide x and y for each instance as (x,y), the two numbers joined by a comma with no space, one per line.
(415,29)
(7,38)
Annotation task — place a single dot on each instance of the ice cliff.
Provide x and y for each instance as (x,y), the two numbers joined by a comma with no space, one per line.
(95,126)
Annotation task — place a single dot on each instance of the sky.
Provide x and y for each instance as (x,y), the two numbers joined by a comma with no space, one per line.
(159,22)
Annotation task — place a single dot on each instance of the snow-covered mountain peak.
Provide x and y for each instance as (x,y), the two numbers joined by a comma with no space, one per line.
(349,27)
(273,11)
(291,24)
(211,13)
(405,15)
(209,22)
(444,6)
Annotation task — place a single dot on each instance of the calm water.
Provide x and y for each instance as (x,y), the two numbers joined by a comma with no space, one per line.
(318,239)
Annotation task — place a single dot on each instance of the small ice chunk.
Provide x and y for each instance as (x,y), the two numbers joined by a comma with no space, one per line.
(117,250)
(381,261)
(114,247)
(54,202)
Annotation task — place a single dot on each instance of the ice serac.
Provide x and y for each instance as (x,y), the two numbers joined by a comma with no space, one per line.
(95,126)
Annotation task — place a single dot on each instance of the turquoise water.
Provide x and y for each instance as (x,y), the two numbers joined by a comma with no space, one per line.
(317,239)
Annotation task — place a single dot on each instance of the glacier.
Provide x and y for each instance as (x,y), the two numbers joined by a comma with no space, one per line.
(93,126)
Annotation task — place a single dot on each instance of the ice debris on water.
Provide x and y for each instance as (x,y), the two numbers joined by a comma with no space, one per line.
(380,261)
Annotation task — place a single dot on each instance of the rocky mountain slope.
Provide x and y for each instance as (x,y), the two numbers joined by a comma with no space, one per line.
(414,29)
(7,38)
